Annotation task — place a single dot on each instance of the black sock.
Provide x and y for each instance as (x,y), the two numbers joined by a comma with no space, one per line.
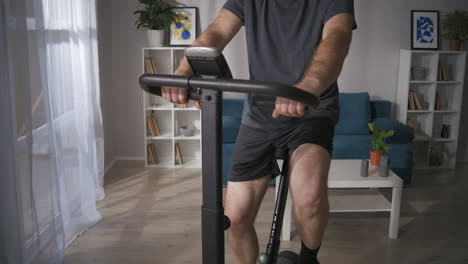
(307,255)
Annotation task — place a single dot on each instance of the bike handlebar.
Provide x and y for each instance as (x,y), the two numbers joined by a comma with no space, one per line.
(152,83)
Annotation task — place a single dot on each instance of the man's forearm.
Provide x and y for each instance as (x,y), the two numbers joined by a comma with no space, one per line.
(326,64)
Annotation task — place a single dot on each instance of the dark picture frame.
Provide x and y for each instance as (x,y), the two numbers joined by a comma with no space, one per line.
(425,29)
(183,31)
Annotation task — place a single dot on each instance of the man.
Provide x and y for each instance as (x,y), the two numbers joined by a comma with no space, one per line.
(300,42)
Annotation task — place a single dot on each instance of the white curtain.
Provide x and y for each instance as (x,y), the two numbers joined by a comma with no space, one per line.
(51,159)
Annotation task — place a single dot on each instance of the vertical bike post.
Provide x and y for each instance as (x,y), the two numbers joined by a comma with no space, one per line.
(271,254)
(212,208)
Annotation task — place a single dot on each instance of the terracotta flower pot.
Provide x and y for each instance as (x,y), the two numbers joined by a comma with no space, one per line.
(375,158)
(455,45)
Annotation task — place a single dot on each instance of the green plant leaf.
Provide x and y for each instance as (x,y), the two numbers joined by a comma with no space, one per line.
(157,14)
(377,142)
(388,133)
(454,25)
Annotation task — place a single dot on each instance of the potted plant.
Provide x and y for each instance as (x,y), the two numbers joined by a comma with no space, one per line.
(378,146)
(454,27)
(156,17)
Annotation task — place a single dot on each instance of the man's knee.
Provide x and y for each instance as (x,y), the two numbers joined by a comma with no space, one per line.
(311,204)
(242,202)
(241,219)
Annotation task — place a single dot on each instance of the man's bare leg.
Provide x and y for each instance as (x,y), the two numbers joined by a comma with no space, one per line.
(310,164)
(243,200)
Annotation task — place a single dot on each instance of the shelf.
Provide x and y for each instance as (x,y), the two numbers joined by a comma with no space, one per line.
(445,112)
(449,82)
(167,163)
(422,82)
(168,117)
(451,52)
(419,72)
(164,136)
(162,107)
(190,162)
(421,138)
(419,111)
(164,48)
(443,139)
(186,109)
(439,168)
(195,137)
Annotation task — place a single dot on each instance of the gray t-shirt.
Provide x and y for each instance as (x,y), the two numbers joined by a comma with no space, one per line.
(282,36)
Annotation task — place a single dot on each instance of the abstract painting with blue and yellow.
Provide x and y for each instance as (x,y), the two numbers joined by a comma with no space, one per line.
(183,27)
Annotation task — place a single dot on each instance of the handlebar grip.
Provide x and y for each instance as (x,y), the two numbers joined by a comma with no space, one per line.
(152,84)
(269,102)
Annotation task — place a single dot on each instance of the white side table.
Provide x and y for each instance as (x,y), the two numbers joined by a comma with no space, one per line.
(345,174)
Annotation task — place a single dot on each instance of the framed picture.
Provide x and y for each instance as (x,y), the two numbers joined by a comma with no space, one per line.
(183,30)
(424,29)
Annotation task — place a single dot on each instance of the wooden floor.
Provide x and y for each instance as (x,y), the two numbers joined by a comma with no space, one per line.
(153,216)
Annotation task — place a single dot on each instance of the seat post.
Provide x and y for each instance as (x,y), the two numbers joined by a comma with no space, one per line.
(274,240)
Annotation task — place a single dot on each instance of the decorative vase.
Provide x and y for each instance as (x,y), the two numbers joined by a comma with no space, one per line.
(375,158)
(455,45)
(187,131)
(364,168)
(155,38)
(384,166)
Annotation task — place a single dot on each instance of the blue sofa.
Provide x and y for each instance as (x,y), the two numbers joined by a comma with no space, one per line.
(352,136)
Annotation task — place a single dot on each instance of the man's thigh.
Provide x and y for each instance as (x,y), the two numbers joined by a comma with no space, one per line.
(310,164)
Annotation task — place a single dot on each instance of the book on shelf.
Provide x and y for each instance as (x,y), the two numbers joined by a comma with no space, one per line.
(180,161)
(153,154)
(442,73)
(411,104)
(153,126)
(437,102)
(181,105)
(413,101)
(434,159)
(410,124)
(417,102)
(150,67)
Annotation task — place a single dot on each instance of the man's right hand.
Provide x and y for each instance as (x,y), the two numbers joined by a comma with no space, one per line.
(178,95)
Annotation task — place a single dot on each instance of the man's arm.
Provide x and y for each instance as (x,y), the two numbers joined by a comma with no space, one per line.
(325,66)
(218,35)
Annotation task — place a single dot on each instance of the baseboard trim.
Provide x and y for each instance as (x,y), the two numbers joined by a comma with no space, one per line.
(114,160)
(109,166)
(129,158)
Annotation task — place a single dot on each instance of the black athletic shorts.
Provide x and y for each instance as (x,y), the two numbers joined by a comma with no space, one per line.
(253,154)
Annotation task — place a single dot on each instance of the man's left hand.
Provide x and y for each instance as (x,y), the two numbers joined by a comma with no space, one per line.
(291,108)
(287,107)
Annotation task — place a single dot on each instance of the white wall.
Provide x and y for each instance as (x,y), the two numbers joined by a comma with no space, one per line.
(372,65)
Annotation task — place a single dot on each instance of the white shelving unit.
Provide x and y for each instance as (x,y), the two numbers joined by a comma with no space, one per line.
(169,118)
(428,121)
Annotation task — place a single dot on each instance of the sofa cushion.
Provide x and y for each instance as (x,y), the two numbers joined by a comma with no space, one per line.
(380,108)
(233,107)
(401,160)
(354,114)
(227,155)
(402,134)
(231,126)
(351,146)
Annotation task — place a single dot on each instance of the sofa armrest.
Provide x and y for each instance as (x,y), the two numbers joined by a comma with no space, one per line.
(403,135)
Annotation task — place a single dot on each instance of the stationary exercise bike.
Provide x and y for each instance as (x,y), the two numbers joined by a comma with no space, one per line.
(211,77)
